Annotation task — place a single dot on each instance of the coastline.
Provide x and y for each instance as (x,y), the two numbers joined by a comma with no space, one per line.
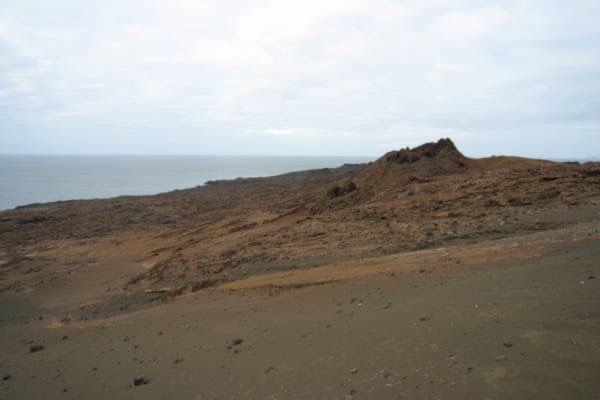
(32,179)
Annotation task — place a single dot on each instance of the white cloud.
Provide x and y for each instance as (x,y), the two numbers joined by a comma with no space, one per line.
(318,69)
(478,23)
(298,132)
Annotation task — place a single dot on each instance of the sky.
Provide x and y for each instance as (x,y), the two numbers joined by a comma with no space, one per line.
(326,77)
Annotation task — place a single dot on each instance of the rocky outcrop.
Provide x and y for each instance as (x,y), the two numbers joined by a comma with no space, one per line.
(443,148)
(400,167)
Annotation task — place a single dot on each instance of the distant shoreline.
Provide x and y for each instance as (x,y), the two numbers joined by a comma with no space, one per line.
(38,179)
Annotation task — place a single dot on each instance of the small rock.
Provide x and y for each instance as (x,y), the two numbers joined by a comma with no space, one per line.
(178,360)
(271,368)
(424,319)
(140,380)
(237,341)
(507,344)
(592,277)
(5,377)
(36,347)
(388,305)
(354,371)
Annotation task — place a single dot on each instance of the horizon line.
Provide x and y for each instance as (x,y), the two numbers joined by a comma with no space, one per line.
(374,157)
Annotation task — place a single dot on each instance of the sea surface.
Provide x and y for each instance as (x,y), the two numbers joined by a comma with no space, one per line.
(27,179)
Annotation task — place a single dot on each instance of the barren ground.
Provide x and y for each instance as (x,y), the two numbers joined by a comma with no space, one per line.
(424,274)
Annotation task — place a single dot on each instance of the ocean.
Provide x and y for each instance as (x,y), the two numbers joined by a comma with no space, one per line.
(27,179)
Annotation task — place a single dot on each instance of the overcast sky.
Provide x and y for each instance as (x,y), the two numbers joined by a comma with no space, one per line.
(307,77)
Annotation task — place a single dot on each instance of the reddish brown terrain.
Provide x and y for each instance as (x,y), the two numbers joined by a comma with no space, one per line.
(424,274)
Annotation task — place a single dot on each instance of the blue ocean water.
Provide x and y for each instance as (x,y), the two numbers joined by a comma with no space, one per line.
(26,179)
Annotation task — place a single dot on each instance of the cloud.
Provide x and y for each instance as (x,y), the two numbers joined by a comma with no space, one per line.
(306,133)
(478,23)
(381,72)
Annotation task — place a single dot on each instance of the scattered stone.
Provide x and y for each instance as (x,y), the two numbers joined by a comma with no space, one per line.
(492,203)
(338,191)
(549,178)
(507,344)
(36,347)
(140,380)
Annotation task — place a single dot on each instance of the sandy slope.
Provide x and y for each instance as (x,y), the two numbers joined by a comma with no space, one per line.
(519,327)
(430,276)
